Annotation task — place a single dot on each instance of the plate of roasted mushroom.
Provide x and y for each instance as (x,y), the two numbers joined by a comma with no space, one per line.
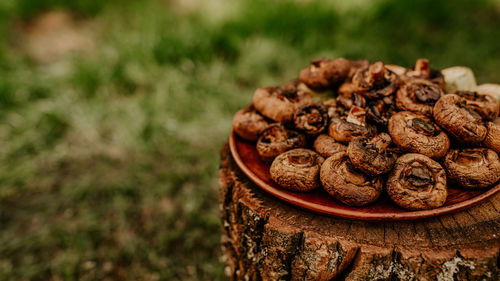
(373,141)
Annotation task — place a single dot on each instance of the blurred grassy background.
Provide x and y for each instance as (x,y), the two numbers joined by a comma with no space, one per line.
(112,114)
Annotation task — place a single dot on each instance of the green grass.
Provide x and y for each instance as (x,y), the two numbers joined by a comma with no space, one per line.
(108,159)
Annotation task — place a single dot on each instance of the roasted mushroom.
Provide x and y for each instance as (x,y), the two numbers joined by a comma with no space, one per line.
(352,127)
(297,169)
(423,70)
(417,183)
(276,139)
(485,105)
(472,168)
(418,95)
(375,81)
(347,184)
(417,133)
(355,66)
(372,156)
(454,115)
(323,73)
(380,111)
(348,98)
(311,119)
(327,146)
(280,103)
(492,139)
(334,110)
(249,124)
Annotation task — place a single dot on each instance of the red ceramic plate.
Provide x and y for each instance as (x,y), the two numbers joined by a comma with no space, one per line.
(248,160)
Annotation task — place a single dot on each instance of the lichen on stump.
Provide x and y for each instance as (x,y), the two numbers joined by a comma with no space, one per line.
(266,239)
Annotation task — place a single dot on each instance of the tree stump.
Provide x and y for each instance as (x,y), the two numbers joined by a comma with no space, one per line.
(264,238)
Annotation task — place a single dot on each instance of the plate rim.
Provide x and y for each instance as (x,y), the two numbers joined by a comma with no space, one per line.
(353,214)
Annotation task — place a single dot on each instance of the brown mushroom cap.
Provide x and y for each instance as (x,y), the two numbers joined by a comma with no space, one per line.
(417,183)
(352,127)
(355,66)
(323,73)
(249,124)
(312,119)
(452,114)
(492,139)
(417,133)
(419,96)
(276,139)
(371,156)
(297,169)
(472,167)
(347,184)
(280,103)
(375,81)
(485,105)
(327,146)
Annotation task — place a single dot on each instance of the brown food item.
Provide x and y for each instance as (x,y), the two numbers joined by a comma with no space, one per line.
(356,65)
(276,139)
(249,124)
(327,146)
(484,105)
(333,109)
(492,139)
(280,103)
(397,69)
(417,183)
(372,156)
(323,73)
(423,70)
(348,98)
(454,115)
(375,81)
(472,168)
(417,133)
(347,184)
(380,111)
(352,127)
(419,96)
(311,119)
(297,169)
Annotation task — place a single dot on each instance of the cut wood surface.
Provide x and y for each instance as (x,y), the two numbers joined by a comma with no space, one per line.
(264,238)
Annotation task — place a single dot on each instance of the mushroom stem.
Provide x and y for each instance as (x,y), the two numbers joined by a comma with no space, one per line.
(376,73)
(422,68)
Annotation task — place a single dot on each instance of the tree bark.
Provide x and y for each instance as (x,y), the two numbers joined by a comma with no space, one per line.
(266,239)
